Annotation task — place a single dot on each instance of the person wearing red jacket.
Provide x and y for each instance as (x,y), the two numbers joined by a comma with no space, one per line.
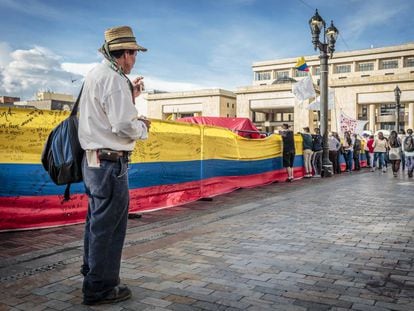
(370,146)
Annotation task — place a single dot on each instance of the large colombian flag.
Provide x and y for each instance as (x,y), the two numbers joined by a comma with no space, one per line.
(179,163)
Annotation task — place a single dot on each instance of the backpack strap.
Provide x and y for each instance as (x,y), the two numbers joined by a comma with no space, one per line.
(75,107)
(66,196)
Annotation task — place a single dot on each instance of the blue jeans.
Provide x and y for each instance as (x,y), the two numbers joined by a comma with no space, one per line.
(409,163)
(317,162)
(105,227)
(380,157)
(348,156)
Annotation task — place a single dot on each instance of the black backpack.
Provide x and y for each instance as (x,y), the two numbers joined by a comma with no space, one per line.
(409,143)
(62,154)
(357,145)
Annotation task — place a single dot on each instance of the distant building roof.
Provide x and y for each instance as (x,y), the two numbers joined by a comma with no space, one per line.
(284,80)
(8,99)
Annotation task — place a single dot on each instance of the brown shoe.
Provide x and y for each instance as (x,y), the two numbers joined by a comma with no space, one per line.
(117,294)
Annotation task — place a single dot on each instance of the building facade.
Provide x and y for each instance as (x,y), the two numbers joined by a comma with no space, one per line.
(8,100)
(49,101)
(208,103)
(363,82)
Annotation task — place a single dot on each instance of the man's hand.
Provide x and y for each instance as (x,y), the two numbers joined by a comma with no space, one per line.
(138,86)
(146,122)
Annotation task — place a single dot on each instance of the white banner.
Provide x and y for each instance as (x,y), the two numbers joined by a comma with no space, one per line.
(304,89)
(316,104)
(349,124)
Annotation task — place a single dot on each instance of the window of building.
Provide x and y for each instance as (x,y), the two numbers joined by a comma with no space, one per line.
(282,74)
(363,113)
(387,109)
(389,126)
(389,63)
(278,117)
(342,68)
(409,62)
(317,71)
(228,105)
(365,66)
(185,115)
(299,73)
(283,116)
(263,75)
(232,105)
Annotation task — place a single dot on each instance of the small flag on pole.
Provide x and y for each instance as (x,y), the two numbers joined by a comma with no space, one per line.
(301,64)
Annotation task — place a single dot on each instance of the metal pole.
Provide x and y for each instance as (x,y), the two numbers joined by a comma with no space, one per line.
(327,168)
(397,114)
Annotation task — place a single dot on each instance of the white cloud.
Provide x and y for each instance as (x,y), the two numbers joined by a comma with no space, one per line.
(5,51)
(29,71)
(25,72)
(371,14)
(153,83)
(78,68)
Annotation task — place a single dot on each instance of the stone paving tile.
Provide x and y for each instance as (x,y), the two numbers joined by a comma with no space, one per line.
(299,246)
(183,307)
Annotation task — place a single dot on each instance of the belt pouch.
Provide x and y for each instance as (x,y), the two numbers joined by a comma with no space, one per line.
(108,155)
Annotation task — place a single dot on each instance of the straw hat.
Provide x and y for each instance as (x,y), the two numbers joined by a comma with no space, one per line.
(121,38)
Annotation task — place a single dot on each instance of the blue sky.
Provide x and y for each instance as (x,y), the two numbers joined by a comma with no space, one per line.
(192,44)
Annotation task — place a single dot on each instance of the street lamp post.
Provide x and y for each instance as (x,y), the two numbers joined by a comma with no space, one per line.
(397,93)
(317,25)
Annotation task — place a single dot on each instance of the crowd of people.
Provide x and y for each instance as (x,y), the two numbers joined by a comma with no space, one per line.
(397,151)
(381,152)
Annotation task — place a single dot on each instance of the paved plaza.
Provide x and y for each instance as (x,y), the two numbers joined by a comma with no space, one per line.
(340,243)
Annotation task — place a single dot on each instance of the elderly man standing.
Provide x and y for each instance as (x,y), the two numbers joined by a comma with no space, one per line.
(108,129)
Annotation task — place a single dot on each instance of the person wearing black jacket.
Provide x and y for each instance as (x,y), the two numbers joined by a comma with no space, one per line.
(288,150)
(357,152)
(307,151)
(317,149)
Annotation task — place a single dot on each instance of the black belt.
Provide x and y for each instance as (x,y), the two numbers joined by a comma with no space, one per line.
(112,155)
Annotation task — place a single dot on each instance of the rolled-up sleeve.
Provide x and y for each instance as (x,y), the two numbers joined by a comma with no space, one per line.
(122,115)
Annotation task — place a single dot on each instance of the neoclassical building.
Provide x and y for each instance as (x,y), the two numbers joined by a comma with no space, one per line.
(208,103)
(363,82)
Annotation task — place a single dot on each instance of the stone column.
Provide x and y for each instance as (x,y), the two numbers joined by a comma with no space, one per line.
(410,116)
(371,118)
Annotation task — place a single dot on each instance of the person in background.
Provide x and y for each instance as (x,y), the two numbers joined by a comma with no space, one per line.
(408,148)
(334,146)
(108,129)
(365,137)
(307,151)
(380,149)
(288,150)
(394,152)
(386,154)
(348,148)
(317,149)
(370,145)
(338,154)
(401,135)
(356,152)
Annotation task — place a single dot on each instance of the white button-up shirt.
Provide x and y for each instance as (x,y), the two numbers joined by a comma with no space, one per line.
(107,115)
